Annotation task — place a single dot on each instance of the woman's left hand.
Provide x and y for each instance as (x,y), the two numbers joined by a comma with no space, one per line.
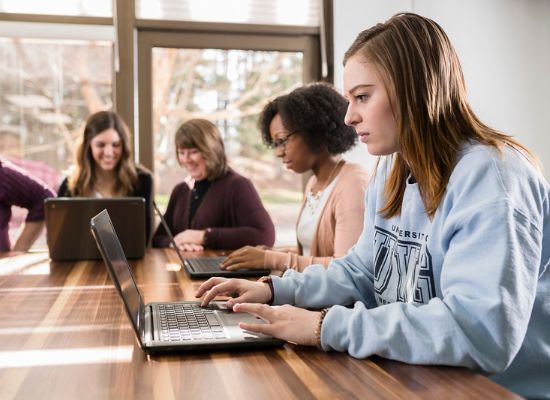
(190,247)
(190,240)
(293,324)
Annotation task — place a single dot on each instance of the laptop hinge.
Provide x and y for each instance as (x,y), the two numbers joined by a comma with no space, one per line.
(190,266)
(148,331)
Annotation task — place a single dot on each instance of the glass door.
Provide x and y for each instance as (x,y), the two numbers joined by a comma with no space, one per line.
(228,86)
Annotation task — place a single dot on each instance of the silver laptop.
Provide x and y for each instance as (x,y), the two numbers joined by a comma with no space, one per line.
(207,267)
(68,226)
(171,326)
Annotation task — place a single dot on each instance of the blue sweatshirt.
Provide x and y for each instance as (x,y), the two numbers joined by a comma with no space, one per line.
(470,288)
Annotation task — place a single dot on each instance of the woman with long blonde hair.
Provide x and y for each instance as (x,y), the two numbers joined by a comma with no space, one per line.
(452,267)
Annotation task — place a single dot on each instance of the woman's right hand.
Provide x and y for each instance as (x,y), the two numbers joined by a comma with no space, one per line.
(241,291)
(247,257)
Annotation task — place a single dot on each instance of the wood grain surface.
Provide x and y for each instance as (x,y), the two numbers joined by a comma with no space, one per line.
(64,335)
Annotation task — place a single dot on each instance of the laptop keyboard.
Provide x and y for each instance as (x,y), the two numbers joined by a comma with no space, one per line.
(206,264)
(180,322)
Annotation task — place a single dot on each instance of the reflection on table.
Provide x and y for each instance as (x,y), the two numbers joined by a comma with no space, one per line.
(64,334)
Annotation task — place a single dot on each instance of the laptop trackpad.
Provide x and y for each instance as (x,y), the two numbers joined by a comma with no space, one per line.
(233,318)
(231,321)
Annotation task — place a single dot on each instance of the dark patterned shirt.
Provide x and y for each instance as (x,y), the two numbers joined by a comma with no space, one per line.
(18,188)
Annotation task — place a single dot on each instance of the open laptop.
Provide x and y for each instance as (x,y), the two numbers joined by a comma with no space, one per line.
(68,226)
(171,326)
(207,267)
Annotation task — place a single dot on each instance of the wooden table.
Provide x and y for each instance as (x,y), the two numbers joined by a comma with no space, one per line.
(64,334)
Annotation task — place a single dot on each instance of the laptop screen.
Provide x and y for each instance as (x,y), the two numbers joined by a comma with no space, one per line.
(68,221)
(119,270)
(168,232)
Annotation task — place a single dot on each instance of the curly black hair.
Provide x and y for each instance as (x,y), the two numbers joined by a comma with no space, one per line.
(316,112)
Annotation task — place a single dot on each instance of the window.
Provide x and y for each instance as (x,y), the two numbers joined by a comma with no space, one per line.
(95,8)
(58,70)
(279,12)
(49,87)
(229,88)
(226,79)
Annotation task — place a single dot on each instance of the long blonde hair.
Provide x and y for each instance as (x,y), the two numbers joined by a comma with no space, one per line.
(82,180)
(422,74)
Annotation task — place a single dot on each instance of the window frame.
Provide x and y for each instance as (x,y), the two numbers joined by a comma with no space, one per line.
(218,39)
(56,19)
(135,39)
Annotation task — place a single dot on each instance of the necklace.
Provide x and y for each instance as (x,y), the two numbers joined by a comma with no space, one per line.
(313,200)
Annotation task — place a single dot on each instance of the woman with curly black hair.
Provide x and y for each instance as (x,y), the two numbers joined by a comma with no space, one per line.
(307,131)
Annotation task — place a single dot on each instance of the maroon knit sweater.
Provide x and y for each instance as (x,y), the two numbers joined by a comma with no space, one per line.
(231,212)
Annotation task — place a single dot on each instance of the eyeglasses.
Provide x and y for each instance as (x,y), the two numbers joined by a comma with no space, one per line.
(281,142)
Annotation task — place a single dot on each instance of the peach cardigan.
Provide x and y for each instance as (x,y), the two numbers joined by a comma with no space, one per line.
(339,226)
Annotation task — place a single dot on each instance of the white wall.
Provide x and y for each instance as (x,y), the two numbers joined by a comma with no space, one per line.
(504,47)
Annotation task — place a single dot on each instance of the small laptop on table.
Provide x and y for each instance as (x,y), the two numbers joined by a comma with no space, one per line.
(68,226)
(207,267)
(171,326)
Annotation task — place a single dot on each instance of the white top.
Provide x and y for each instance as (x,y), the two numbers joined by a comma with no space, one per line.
(310,215)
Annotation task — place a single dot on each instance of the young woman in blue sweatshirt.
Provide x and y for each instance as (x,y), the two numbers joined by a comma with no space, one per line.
(452,267)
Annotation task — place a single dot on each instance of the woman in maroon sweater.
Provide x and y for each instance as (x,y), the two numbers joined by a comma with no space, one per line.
(220,209)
